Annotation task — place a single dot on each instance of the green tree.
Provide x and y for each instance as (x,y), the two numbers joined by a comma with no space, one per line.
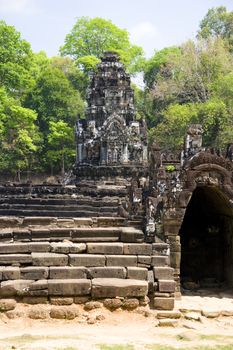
(218,22)
(90,37)
(61,142)
(16,59)
(19,137)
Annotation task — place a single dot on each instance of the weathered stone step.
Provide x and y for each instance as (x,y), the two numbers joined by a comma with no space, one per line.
(59,208)
(82,234)
(95,202)
(97,288)
(65,214)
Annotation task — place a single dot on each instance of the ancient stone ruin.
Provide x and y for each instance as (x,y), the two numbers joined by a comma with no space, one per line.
(131,222)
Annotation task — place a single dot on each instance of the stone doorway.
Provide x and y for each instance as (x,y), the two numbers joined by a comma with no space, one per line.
(206,236)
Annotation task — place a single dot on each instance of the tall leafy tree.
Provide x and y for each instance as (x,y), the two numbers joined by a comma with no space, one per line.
(90,37)
(218,22)
(16,58)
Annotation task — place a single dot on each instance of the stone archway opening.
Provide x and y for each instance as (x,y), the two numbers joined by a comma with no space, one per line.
(207,239)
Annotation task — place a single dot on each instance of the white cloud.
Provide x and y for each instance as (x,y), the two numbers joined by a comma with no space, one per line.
(145,34)
(18,6)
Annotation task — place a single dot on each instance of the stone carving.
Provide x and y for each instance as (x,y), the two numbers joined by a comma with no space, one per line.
(110,135)
(193,140)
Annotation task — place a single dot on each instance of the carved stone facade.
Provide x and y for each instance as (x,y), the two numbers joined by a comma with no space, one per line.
(110,136)
(191,208)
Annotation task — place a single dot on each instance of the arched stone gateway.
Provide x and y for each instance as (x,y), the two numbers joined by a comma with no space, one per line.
(195,192)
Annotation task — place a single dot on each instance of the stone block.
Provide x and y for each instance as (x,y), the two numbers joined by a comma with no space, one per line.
(175,258)
(69,287)
(11,273)
(49,259)
(168,322)
(35,300)
(40,234)
(163,273)
(14,287)
(169,314)
(64,312)
(107,272)
(159,260)
(144,260)
(167,286)
(151,281)
(39,247)
(76,248)
(87,260)
(7,304)
(105,248)
(22,235)
(61,301)
(11,248)
(34,273)
(138,249)
(9,221)
(121,260)
(6,235)
(10,259)
(38,220)
(39,285)
(82,222)
(65,222)
(113,287)
(160,248)
(131,235)
(164,303)
(60,247)
(137,273)
(64,272)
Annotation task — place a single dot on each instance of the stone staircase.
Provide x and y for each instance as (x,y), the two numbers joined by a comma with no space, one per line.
(46,253)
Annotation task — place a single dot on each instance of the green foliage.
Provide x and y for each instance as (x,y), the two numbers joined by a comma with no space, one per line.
(19,137)
(90,37)
(15,61)
(170,168)
(218,22)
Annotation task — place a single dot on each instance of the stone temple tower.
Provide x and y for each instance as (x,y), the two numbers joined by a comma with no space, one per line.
(110,141)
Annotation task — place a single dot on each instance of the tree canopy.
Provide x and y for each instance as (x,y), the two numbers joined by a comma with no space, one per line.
(90,37)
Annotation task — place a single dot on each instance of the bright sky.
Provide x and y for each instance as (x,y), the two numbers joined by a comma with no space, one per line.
(152,24)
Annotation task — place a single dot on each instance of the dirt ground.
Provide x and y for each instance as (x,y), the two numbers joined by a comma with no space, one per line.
(126,330)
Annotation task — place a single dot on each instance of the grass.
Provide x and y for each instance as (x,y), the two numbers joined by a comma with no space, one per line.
(201,347)
(115,347)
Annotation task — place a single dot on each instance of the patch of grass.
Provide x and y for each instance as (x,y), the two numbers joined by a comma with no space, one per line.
(115,347)
(201,347)
(215,337)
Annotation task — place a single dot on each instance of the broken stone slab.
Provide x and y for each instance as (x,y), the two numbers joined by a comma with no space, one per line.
(131,235)
(160,249)
(76,248)
(192,316)
(10,259)
(10,273)
(169,314)
(159,261)
(60,247)
(167,286)
(138,249)
(88,260)
(163,273)
(69,287)
(161,303)
(211,313)
(49,259)
(121,260)
(14,287)
(39,285)
(114,287)
(137,273)
(65,222)
(168,322)
(105,248)
(67,272)
(12,248)
(34,273)
(107,272)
